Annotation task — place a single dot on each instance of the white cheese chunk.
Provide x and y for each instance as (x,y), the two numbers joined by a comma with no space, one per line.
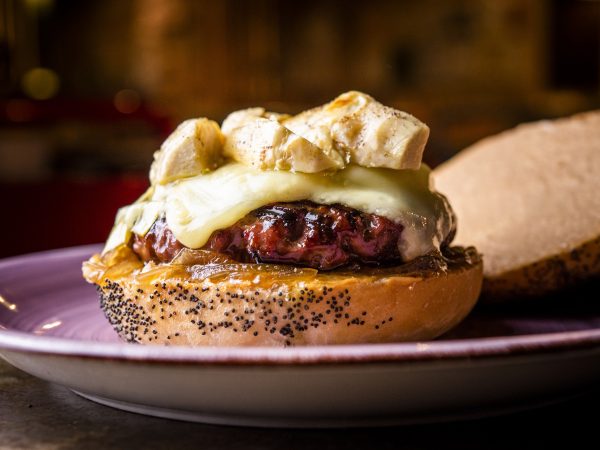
(266,144)
(196,146)
(244,116)
(364,131)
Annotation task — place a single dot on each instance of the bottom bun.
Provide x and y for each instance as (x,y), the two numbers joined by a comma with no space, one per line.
(267,305)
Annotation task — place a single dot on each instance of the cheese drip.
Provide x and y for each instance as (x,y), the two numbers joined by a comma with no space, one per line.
(196,207)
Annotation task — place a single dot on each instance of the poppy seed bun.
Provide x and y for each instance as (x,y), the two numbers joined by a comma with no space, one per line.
(298,307)
(528,200)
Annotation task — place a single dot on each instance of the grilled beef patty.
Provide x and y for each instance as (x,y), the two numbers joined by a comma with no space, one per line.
(306,234)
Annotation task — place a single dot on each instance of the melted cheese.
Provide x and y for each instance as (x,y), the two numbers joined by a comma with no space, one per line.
(196,207)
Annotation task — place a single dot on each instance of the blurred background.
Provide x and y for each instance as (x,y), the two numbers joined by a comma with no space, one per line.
(89,89)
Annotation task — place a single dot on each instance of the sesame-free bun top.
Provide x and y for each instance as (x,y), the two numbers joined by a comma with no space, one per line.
(529,200)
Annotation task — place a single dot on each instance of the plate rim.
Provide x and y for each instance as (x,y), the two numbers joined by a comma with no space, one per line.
(456,350)
(423,351)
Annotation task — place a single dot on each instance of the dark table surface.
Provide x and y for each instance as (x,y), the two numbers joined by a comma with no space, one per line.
(35,414)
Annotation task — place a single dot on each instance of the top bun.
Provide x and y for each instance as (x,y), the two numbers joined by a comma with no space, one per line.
(528,200)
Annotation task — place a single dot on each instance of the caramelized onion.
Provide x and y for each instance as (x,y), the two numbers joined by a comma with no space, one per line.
(190,257)
(206,264)
(241,271)
(117,263)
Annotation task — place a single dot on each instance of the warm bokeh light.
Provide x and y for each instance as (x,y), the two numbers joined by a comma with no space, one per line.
(40,83)
(127,101)
(40,6)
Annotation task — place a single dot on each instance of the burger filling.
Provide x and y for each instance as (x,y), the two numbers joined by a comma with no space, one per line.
(302,233)
(334,186)
(323,221)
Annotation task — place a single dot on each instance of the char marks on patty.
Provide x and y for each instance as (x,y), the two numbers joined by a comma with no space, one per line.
(306,234)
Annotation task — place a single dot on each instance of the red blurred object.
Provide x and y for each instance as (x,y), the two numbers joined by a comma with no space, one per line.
(27,112)
(72,210)
(63,213)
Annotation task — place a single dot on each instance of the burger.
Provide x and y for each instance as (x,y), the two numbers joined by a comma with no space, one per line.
(277,230)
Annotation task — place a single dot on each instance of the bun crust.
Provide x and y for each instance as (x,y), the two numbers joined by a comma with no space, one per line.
(545,276)
(376,305)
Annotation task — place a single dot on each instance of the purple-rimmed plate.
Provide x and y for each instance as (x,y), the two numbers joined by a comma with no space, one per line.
(51,326)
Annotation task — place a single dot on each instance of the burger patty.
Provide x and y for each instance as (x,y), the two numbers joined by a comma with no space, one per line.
(306,234)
